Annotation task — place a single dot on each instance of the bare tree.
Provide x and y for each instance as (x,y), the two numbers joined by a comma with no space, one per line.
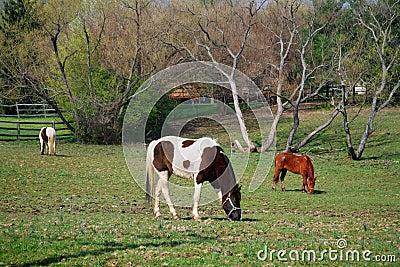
(89,56)
(140,12)
(25,68)
(56,21)
(378,19)
(295,36)
(307,72)
(92,42)
(216,35)
(283,28)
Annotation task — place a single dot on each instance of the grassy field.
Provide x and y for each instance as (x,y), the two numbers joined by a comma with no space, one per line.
(82,208)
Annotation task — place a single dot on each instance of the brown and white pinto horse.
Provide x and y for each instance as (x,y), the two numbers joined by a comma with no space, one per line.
(47,137)
(296,164)
(198,159)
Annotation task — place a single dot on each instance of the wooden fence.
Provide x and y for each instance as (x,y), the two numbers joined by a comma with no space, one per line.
(27,110)
(29,130)
(17,122)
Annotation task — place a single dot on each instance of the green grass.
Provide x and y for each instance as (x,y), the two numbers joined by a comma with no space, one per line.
(194,110)
(83,208)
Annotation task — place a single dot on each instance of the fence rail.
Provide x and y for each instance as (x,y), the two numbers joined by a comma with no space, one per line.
(27,110)
(23,121)
(22,133)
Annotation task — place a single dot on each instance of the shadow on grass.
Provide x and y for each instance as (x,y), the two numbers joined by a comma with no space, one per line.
(57,156)
(316,192)
(207,219)
(250,220)
(63,156)
(393,156)
(245,219)
(108,246)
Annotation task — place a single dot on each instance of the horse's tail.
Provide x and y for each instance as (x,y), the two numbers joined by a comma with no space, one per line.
(149,179)
(52,140)
(42,136)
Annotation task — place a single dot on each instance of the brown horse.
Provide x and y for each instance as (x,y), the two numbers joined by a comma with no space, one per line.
(199,159)
(296,164)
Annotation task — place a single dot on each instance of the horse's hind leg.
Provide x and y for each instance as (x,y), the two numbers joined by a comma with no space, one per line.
(157,194)
(42,147)
(283,174)
(276,177)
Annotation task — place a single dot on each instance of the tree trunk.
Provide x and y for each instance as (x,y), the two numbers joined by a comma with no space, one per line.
(368,128)
(274,127)
(349,143)
(61,115)
(296,123)
(272,133)
(54,40)
(250,145)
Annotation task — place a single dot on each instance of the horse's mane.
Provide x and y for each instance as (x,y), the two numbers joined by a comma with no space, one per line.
(214,140)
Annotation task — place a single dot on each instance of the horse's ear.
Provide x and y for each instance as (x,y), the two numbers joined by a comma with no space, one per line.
(237,188)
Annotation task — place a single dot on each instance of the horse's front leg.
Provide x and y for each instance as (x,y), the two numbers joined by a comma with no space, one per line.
(304,188)
(164,187)
(217,188)
(196,199)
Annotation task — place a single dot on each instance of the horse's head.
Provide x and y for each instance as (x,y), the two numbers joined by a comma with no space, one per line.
(231,204)
(310,185)
(216,169)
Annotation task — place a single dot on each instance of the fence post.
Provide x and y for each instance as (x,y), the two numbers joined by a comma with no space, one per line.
(16,105)
(54,125)
(18,130)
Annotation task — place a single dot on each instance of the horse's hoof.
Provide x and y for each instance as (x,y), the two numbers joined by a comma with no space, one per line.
(197,218)
(283,189)
(158,215)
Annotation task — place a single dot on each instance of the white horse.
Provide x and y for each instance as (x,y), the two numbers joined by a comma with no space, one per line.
(198,159)
(47,137)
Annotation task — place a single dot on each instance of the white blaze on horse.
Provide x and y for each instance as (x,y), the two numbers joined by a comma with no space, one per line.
(198,159)
(47,137)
